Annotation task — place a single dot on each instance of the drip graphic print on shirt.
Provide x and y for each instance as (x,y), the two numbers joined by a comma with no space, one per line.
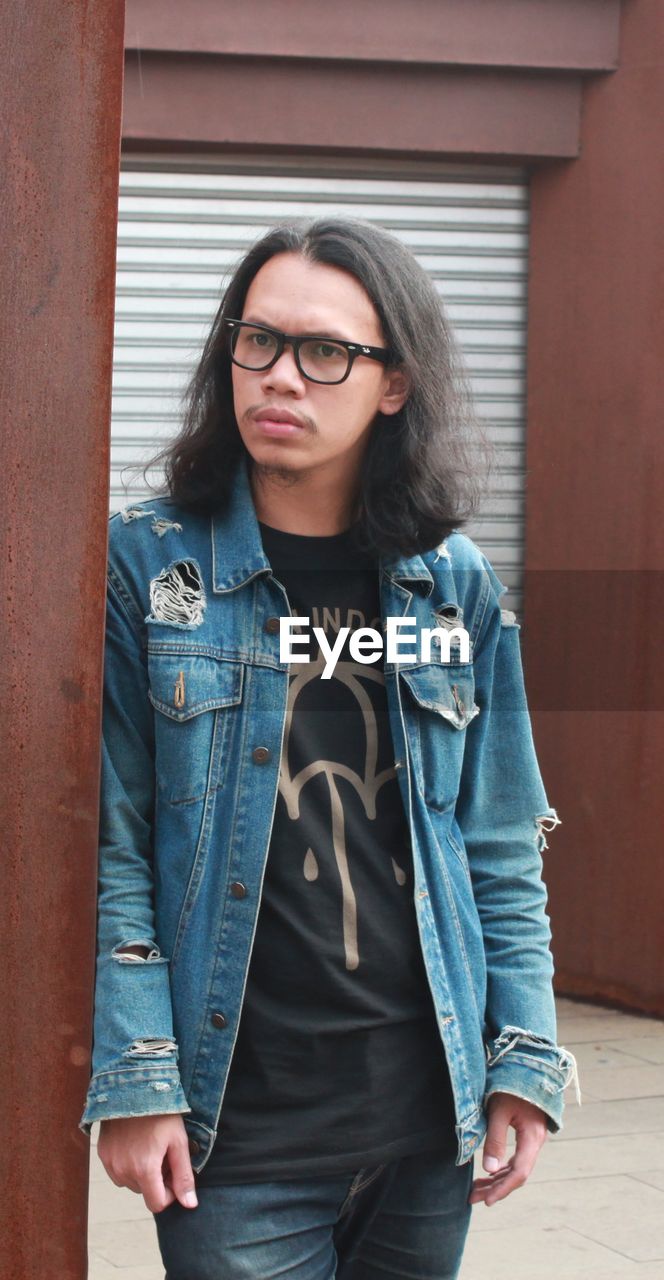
(358,681)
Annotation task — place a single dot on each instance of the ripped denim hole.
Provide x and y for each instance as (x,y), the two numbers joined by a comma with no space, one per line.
(515,1037)
(123,955)
(442,550)
(449,615)
(178,595)
(135,513)
(151,1049)
(160,525)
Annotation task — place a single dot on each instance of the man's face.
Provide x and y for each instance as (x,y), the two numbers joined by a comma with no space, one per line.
(331,423)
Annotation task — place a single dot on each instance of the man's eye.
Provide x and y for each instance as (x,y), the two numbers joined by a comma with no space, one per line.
(327,350)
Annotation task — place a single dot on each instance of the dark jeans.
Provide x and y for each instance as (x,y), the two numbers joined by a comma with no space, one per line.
(405,1219)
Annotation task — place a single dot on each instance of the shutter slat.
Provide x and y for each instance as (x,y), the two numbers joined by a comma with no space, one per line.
(183,225)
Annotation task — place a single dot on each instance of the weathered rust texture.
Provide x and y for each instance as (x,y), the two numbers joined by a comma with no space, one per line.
(595,463)
(61,77)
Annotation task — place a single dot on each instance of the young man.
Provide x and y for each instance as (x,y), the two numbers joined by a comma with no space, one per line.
(324,971)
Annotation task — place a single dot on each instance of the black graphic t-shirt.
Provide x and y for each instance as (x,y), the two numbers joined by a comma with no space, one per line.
(338,1062)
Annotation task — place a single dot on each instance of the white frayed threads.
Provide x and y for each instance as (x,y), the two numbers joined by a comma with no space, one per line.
(135,513)
(442,550)
(151,1049)
(160,525)
(177,595)
(124,955)
(568,1063)
(541,822)
(510,1037)
(516,1037)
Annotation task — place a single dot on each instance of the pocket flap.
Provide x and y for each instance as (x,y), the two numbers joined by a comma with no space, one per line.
(449,693)
(183,685)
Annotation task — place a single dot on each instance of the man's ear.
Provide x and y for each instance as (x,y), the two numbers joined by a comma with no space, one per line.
(397,390)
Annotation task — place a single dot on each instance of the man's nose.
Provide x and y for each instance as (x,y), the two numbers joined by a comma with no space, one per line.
(284,374)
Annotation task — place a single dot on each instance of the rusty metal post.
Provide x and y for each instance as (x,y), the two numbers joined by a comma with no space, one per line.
(61,74)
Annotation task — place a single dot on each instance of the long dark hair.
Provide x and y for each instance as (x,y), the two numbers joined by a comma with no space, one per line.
(425,468)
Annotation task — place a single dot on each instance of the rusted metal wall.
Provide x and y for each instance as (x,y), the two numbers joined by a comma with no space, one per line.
(61,76)
(518,80)
(594,532)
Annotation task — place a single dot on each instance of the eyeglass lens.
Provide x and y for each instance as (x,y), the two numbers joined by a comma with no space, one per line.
(319,358)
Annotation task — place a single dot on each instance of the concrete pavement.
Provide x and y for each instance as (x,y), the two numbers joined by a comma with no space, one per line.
(593,1207)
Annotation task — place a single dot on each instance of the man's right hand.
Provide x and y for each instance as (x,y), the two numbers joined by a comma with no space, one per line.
(150,1155)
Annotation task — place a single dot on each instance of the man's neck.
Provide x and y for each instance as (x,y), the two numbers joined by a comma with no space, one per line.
(297,504)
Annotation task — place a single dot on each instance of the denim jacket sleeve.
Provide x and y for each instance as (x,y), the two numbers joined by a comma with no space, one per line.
(134,1061)
(503,814)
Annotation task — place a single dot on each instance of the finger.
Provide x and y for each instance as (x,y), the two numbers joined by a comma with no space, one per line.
(156,1194)
(521,1166)
(482,1186)
(480,1197)
(181,1178)
(495,1143)
(509,1184)
(485,1183)
(121,1179)
(169,1198)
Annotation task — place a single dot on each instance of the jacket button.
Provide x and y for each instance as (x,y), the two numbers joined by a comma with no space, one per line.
(238,890)
(219,1021)
(260,755)
(272,625)
(194,1147)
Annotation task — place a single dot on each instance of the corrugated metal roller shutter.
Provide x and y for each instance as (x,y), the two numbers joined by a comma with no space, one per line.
(184,224)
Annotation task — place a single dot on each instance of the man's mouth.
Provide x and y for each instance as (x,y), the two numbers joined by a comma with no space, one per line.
(278,422)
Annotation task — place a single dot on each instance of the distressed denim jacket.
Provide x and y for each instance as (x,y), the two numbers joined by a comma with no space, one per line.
(194,712)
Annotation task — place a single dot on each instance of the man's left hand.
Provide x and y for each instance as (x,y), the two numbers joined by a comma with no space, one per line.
(530,1125)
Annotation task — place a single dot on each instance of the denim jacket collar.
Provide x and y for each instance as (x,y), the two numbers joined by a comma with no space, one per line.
(237,549)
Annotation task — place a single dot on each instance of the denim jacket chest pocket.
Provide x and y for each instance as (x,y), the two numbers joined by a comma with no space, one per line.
(442,704)
(197,699)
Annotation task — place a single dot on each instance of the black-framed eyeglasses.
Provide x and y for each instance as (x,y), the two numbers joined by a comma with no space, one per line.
(319,359)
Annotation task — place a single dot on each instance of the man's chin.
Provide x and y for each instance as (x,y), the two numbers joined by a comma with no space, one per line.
(275,472)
